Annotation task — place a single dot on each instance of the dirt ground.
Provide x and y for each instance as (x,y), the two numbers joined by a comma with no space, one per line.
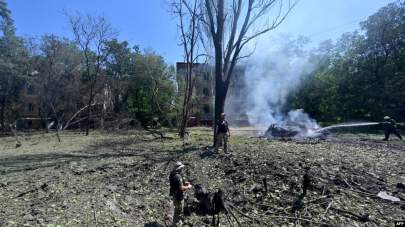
(121,179)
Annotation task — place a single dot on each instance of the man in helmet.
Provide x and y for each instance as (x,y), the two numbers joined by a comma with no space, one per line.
(177,188)
(222,132)
(390,126)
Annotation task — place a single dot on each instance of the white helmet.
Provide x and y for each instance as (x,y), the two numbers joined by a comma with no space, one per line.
(178,165)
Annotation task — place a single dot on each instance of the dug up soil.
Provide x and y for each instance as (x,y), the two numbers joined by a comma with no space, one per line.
(121,179)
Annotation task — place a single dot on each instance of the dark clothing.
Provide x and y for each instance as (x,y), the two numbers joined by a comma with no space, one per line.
(390,126)
(222,126)
(176,181)
(390,123)
(388,132)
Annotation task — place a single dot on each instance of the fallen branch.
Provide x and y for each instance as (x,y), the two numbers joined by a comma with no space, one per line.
(95,218)
(322,197)
(229,220)
(159,134)
(233,215)
(328,207)
(363,193)
(26,192)
(282,217)
(247,216)
(301,219)
(363,218)
(43,186)
(77,121)
(18,144)
(77,113)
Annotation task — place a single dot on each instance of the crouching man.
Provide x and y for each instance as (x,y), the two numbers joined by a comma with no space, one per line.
(177,188)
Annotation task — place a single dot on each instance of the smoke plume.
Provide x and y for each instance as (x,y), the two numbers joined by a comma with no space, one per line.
(271,76)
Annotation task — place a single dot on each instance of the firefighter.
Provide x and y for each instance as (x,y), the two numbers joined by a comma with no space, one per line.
(390,126)
(177,188)
(222,132)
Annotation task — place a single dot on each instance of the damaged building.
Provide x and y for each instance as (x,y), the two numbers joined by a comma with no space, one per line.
(202,105)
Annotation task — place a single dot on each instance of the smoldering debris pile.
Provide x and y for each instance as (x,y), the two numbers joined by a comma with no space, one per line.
(302,131)
(277,131)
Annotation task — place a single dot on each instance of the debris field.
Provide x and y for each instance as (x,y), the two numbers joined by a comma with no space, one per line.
(121,179)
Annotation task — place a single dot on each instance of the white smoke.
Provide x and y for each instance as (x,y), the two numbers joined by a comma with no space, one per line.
(271,76)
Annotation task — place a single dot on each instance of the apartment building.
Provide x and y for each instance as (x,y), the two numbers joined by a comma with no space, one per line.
(202,109)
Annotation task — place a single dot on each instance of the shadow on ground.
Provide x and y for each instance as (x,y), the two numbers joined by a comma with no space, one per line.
(27,162)
(153,224)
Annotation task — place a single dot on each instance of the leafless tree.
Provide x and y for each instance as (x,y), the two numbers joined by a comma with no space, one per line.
(189,13)
(92,34)
(55,81)
(231,24)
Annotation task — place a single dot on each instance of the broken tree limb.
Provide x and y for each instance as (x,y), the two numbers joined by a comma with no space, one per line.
(157,134)
(360,192)
(362,218)
(58,126)
(247,216)
(317,199)
(13,130)
(265,186)
(328,207)
(77,113)
(77,121)
(233,215)
(276,216)
(229,220)
(301,219)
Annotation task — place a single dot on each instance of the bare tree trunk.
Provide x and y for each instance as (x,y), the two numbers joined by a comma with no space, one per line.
(218,39)
(103,109)
(58,127)
(220,97)
(189,14)
(2,110)
(187,99)
(239,18)
(14,131)
(92,33)
(102,118)
(89,109)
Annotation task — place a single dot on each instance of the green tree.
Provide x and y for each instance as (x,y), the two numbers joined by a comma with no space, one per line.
(151,90)
(13,56)
(361,77)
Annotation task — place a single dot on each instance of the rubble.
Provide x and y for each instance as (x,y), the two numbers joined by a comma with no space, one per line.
(122,179)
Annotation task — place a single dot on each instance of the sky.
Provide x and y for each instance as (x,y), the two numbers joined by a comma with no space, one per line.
(148,23)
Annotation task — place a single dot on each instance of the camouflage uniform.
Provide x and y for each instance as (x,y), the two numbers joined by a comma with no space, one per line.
(222,135)
(176,181)
(178,212)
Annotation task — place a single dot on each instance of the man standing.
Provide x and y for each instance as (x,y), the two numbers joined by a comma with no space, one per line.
(222,131)
(390,126)
(177,189)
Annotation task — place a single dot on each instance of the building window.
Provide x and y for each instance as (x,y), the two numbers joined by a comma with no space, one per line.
(206,92)
(29,108)
(206,76)
(30,90)
(29,124)
(206,109)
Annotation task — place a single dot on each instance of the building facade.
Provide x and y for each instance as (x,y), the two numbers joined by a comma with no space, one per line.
(202,101)
(202,106)
(29,114)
